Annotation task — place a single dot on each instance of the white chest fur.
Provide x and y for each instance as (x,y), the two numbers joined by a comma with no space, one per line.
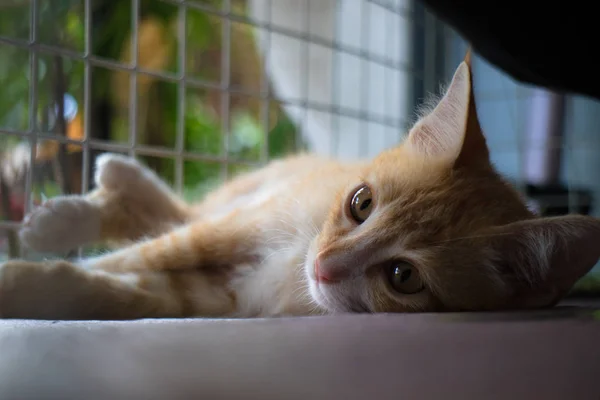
(276,286)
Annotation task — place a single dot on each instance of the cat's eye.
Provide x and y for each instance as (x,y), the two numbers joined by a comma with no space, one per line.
(404,278)
(361,204)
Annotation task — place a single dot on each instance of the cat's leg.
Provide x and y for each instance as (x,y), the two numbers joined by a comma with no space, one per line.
(181,273)
(207,244)
(129,202)
(64,291)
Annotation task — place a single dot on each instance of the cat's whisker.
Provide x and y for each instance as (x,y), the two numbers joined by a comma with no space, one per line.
(278,251)
(279,234)
(297,228)
(312,231)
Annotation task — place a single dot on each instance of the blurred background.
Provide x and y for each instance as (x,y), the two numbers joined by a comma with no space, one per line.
(204,90)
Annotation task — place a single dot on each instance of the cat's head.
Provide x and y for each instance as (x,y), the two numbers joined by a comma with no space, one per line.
(430,226)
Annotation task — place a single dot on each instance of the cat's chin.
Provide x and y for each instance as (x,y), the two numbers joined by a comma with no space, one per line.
(325,301)
(319,297)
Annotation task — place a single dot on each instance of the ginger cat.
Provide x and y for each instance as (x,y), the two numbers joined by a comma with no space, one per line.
(426,226)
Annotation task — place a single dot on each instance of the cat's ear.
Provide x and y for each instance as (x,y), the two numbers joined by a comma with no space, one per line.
(452,131)
(545,256)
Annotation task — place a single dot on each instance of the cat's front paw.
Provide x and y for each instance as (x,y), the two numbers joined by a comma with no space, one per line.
(61,224)
(129,177)
(117,172)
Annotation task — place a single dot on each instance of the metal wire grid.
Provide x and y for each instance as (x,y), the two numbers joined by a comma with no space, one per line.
(394,11)
(36,49)
(184,81)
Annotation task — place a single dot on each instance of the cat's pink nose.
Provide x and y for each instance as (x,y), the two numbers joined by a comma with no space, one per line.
(326,275)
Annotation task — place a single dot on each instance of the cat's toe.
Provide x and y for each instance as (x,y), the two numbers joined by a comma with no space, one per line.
(117,172)
(61,224)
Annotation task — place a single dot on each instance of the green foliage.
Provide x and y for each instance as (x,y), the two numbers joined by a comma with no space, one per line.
(201,31)
(45,190)
(61,24)
(14,19)
(15,79)
(202,130)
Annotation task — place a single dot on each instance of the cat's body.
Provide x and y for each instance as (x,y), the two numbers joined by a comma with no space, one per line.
(427,226)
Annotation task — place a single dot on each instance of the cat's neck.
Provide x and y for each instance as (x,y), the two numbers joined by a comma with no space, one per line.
(278,286)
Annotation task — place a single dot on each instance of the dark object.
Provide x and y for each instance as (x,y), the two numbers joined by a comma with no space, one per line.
(547,45)
(556,199)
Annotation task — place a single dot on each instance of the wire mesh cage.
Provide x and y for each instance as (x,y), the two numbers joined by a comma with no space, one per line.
(204,90)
